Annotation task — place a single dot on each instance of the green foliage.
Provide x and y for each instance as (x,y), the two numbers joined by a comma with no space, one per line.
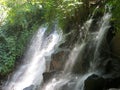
(115,8)
(68,10)
(21,22)
(62,10)
(7,55)
(68,7)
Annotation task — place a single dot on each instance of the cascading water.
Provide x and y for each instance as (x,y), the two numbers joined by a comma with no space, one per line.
(85,56)
(82,53)
(58,82)
(73,56)
(34,62)
(101,36)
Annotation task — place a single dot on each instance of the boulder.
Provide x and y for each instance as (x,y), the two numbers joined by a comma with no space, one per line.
(31,87)
(48,75)
(58,61)
(94,82)
(115,45)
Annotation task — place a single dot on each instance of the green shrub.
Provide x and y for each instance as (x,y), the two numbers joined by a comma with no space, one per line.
(21,22)
(115,9)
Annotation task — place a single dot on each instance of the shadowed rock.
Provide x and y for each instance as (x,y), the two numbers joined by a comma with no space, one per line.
(48,75)
(94,82)
(31,87)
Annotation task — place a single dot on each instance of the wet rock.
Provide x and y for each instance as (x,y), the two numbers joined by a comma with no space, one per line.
(48,75)
(94,82)
(69,86)
(111,33)
(31,87)
(115,45)
(112,83)
(82,62)
(58,61)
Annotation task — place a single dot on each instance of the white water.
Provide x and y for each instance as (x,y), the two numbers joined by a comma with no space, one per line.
(57,82)
(65,78)
(72,58)
(80,81)
(103,28)
(100,37)
(30,73)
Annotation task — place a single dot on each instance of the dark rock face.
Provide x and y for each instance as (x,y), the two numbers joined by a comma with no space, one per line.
(94,82)
(48,75)
(58,61)
(115,45)
(112,83)
(31,87)
(82,62)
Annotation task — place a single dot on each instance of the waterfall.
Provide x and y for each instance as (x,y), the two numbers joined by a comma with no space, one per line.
(84,59)
(67,80)
(72,57)
(63,79)
(100,38)
(29,74)
(85,55)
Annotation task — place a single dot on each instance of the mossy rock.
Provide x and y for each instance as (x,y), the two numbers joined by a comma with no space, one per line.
(115,45)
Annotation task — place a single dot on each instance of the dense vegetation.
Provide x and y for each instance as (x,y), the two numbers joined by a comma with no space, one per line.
(20,19)
(115,8)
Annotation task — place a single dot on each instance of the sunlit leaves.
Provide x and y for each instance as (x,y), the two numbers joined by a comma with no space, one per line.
(115,8)
(23,18)
(3,13)
(67,8)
